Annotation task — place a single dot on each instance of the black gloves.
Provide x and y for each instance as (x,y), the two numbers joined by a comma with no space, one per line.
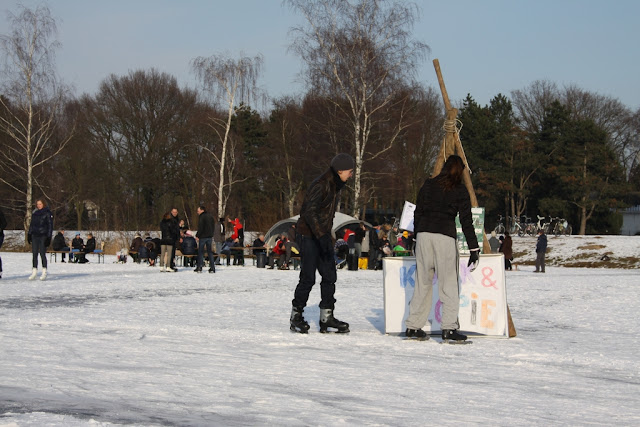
(326,246)
(29,238)
(47,242)
(474,259)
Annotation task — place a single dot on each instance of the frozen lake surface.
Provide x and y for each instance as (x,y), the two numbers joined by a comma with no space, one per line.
(107,344)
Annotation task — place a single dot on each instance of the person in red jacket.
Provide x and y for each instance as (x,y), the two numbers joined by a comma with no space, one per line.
(279,251)
(238,233)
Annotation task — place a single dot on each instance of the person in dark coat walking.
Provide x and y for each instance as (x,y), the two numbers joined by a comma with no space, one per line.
(439,201)
(167,242)
(39,235)
(507,249)
(3,225)
(206,225)
(541,250)
(374,247)
(316,249)
(218,238)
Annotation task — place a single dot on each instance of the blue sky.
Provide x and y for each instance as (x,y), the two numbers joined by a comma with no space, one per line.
(484,47)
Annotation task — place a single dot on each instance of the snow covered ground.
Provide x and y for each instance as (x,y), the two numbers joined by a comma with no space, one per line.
(104,344)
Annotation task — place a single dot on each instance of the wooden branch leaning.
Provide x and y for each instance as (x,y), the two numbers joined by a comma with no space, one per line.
(452,145)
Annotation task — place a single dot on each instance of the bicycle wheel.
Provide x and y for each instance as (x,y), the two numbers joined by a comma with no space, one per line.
(568,230)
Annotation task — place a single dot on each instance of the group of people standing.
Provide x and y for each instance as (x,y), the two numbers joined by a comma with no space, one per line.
(504,245)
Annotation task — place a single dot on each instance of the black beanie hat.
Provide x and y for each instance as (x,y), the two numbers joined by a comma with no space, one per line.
(342,162)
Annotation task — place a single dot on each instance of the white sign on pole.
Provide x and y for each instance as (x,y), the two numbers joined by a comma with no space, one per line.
(406,219)
(483,298)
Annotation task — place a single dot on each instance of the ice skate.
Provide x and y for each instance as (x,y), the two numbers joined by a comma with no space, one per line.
(298,324)
(44,274)
(452,336)
(416,334)
(328,321)
(34,273)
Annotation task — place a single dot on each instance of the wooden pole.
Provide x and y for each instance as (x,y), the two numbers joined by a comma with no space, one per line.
(452,145)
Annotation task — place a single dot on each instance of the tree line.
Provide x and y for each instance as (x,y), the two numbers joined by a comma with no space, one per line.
(141,145)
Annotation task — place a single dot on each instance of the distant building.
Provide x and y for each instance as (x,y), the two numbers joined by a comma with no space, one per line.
(630,221)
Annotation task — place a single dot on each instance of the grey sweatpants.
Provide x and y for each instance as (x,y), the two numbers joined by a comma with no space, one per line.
(435,253)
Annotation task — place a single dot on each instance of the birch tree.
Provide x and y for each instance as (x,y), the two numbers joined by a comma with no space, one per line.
(31,102)
(228,82)
(360,56)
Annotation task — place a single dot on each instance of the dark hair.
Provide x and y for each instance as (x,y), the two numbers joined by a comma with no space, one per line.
(167,215)
(202,208)
(452,172)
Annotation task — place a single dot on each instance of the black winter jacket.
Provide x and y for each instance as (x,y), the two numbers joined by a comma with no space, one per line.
(206,225)
(58,242)
(319,205)
(189,245)
(541,244)
(41,223)
(168,233)
(436,210)
(90,246)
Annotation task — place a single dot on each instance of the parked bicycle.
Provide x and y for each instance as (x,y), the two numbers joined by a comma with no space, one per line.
(561,227)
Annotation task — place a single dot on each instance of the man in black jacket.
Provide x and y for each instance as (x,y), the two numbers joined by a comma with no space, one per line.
(205,238)
(314,226)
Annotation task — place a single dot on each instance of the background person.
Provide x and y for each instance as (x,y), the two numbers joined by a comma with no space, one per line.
(39,235)
(204,235)
(507,249)
(541,250)
(166,242)
(60,244)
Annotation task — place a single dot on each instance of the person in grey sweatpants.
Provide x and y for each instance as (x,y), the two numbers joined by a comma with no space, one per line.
(439,253)
(439,201)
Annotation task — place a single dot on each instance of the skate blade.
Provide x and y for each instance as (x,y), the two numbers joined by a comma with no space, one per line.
(337,331)
(293,329)
(415,339)
(454,342)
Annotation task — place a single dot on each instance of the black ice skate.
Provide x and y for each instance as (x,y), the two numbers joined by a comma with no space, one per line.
(298,324)
(328,321)
(416,334)
(452,336)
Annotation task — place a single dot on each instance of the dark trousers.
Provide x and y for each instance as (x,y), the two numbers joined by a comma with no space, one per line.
(280,257)
(38,248)
(207,241)
(172,264)
(311,260)
(373,258)
(1,242)
(540,261)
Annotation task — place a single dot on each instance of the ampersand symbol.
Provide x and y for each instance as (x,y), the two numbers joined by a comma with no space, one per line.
(487,272)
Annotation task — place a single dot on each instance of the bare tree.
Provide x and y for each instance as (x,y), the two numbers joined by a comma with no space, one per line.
(285,124)
(228,82)
(360,56)
(32,102)
(141,125)
(530,103)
